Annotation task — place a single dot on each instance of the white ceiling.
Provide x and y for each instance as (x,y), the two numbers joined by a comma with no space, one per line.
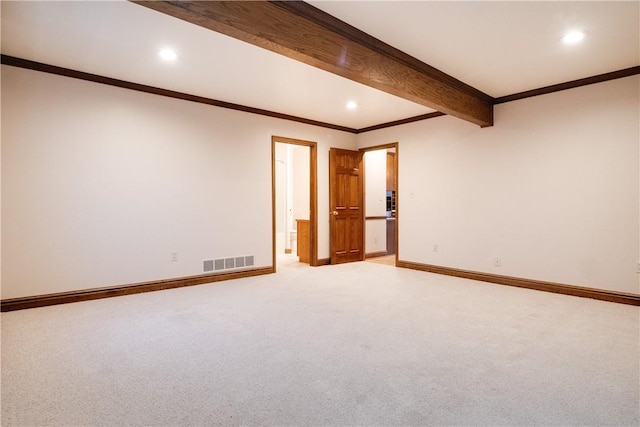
(503,47)
(498,47)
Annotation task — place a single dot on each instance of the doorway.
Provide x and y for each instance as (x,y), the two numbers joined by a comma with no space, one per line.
(294,200)
(381,203)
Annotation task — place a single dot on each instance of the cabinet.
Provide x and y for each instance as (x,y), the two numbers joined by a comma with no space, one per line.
(391,236)
(303,245)
(391,203)
(391,172)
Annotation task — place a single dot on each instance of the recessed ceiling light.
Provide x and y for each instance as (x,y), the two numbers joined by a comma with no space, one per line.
(573,37)
(168,55)
(352,105)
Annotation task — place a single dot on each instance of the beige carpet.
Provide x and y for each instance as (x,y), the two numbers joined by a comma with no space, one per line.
(356,344)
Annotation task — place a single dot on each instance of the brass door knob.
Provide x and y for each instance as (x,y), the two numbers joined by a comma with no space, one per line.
(334,213)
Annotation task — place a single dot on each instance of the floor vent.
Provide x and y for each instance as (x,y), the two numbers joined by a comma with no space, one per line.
(227,263)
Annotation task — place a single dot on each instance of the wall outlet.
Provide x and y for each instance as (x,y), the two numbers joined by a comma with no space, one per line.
(174,256)
(435,248)
(497,262)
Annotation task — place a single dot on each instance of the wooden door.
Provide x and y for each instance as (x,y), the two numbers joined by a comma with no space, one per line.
(346,204)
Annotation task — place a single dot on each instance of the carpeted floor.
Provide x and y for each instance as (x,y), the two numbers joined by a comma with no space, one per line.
(354,344)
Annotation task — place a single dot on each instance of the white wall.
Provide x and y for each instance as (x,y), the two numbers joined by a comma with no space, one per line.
(101,184)
(292,191)
(552,189)
(375,168)
(300,181)
(282,199)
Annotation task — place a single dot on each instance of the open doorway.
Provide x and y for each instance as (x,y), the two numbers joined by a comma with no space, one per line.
(381,203)
(294,200)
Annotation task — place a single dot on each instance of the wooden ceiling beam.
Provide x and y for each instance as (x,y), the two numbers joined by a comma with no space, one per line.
(304,33)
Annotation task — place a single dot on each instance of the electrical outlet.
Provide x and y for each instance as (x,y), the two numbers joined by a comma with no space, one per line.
(497,262)
(435,248)
(174,256)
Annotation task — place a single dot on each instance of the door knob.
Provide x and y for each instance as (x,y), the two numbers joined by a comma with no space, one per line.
(334,213)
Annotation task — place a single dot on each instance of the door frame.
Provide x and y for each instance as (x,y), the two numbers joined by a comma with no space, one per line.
(313,196)
(396,146)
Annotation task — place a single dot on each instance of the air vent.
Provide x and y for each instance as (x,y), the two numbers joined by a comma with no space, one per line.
(227,263)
